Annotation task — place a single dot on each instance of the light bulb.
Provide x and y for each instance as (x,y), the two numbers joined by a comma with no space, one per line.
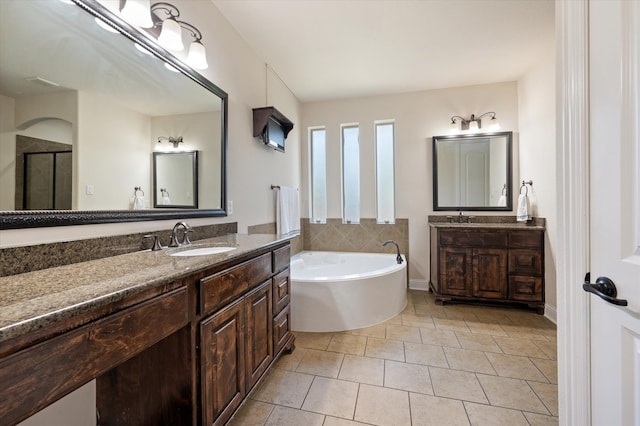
(494,124)
(473,126)
(137,12)
(197,57)
(171,35)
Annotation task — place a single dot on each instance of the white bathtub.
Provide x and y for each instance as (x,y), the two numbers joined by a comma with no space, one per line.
(334,291)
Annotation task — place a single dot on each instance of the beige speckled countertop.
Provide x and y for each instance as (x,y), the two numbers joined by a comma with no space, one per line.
(515,225)
(33,300)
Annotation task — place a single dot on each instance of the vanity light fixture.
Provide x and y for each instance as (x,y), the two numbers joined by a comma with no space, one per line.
(137,12)
(175,141)
(474,123)
(168,30)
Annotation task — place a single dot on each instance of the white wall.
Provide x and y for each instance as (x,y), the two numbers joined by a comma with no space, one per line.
(536,100)
(418,116)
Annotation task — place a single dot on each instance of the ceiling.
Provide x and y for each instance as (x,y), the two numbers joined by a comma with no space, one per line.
(332,49)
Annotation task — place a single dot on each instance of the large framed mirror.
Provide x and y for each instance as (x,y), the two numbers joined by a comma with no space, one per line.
(473,172)
(110,99)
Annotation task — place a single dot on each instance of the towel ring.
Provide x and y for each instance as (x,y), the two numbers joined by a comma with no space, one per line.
(164,191)
(136,189)
(526,193)
(504,188)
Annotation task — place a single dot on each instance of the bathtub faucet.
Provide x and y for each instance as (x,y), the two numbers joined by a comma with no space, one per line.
(398,258)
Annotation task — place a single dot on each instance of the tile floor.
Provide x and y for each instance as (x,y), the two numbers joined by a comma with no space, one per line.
(430,365)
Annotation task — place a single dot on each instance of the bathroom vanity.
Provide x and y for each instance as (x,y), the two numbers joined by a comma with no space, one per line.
(497,262)
(169,340)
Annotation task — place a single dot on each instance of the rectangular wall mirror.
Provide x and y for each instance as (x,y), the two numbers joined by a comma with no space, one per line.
(175,180)
(473,172)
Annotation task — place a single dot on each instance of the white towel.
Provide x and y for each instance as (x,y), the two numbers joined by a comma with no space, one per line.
(502,201)
(138,202)
(287,211)
(522,214)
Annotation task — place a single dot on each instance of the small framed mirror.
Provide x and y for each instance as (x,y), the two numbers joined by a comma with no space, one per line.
(473,172)
(175,179)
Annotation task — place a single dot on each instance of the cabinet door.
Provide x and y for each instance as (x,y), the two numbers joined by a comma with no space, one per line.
(259,332)
(490,273)
(223,363)
(455,270)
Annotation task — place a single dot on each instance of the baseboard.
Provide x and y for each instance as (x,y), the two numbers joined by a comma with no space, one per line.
(418,285)
(551,312)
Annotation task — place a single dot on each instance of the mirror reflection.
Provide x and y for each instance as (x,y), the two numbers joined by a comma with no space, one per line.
(472,172)
(175,179)
(66,81)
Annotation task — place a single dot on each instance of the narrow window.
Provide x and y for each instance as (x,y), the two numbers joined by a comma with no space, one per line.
(318,161)
(385,172)
(350,174)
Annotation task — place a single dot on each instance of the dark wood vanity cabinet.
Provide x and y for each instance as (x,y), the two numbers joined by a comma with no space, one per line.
(487,264)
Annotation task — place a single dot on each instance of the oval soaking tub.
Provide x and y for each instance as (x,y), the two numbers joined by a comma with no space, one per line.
(336,291)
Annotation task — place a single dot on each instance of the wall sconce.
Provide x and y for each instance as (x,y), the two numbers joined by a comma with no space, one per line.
(161,20)
(175,141)
(474,123)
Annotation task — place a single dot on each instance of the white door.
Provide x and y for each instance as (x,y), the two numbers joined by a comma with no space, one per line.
(614,57)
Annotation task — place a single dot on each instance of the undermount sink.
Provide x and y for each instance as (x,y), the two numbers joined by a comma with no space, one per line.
(201,251)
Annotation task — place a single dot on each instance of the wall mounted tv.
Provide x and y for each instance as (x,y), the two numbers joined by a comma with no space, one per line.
(271,127)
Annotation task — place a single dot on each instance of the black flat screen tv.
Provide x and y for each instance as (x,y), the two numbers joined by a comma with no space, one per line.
(273,135)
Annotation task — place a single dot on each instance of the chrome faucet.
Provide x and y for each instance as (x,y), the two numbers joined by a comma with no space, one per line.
(185,234)
(460,217)
(398,257)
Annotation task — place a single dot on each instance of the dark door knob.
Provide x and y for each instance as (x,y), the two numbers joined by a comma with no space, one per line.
(605,288)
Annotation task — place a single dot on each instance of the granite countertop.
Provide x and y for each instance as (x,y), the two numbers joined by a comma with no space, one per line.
(515,225)
(493,222)
(33,300)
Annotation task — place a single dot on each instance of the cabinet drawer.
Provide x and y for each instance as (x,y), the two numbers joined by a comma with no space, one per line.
(281,258)
(281,291)
(474,238)
(525,288)
(526,239)
(281,329)
(35,377)
(218,289)
(525,262)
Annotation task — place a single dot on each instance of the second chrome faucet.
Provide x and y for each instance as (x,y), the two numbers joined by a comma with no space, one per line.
(183,239)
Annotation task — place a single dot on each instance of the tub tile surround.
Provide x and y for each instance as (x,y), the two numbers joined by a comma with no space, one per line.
(270,228)
(471,366)
(366,236)
(18,260)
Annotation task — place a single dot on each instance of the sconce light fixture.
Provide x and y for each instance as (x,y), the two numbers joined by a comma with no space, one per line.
(161,21)
(474,123)
(175,141)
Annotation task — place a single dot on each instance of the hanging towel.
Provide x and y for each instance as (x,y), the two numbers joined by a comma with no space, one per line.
(287,211)
(138,202)
(502,201)
(522,214)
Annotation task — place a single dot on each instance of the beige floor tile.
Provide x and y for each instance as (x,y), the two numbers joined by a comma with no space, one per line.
(332,397)
(486,415)
(373,331)
(451,325)
(549,348)
(435,411)
(253,413)
(479,327)
(461,315)
(335,421)
(290,361)
(283,416)
(516,367)
(284,387)
(403,332)
(409,309)
(467,360)
(548,367)
(516,346)
(548,393)
(439,337)
(477,342)
(348,344)
(383,348)
(418,321)
(395,320)
(457,384)
(550,334)
(432,355)
(408,377)
(492,316)
(320,363)
(511,393)
(540,420)
(312,340)
(382,406)
(431,311)
(362,369)
(523,332)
